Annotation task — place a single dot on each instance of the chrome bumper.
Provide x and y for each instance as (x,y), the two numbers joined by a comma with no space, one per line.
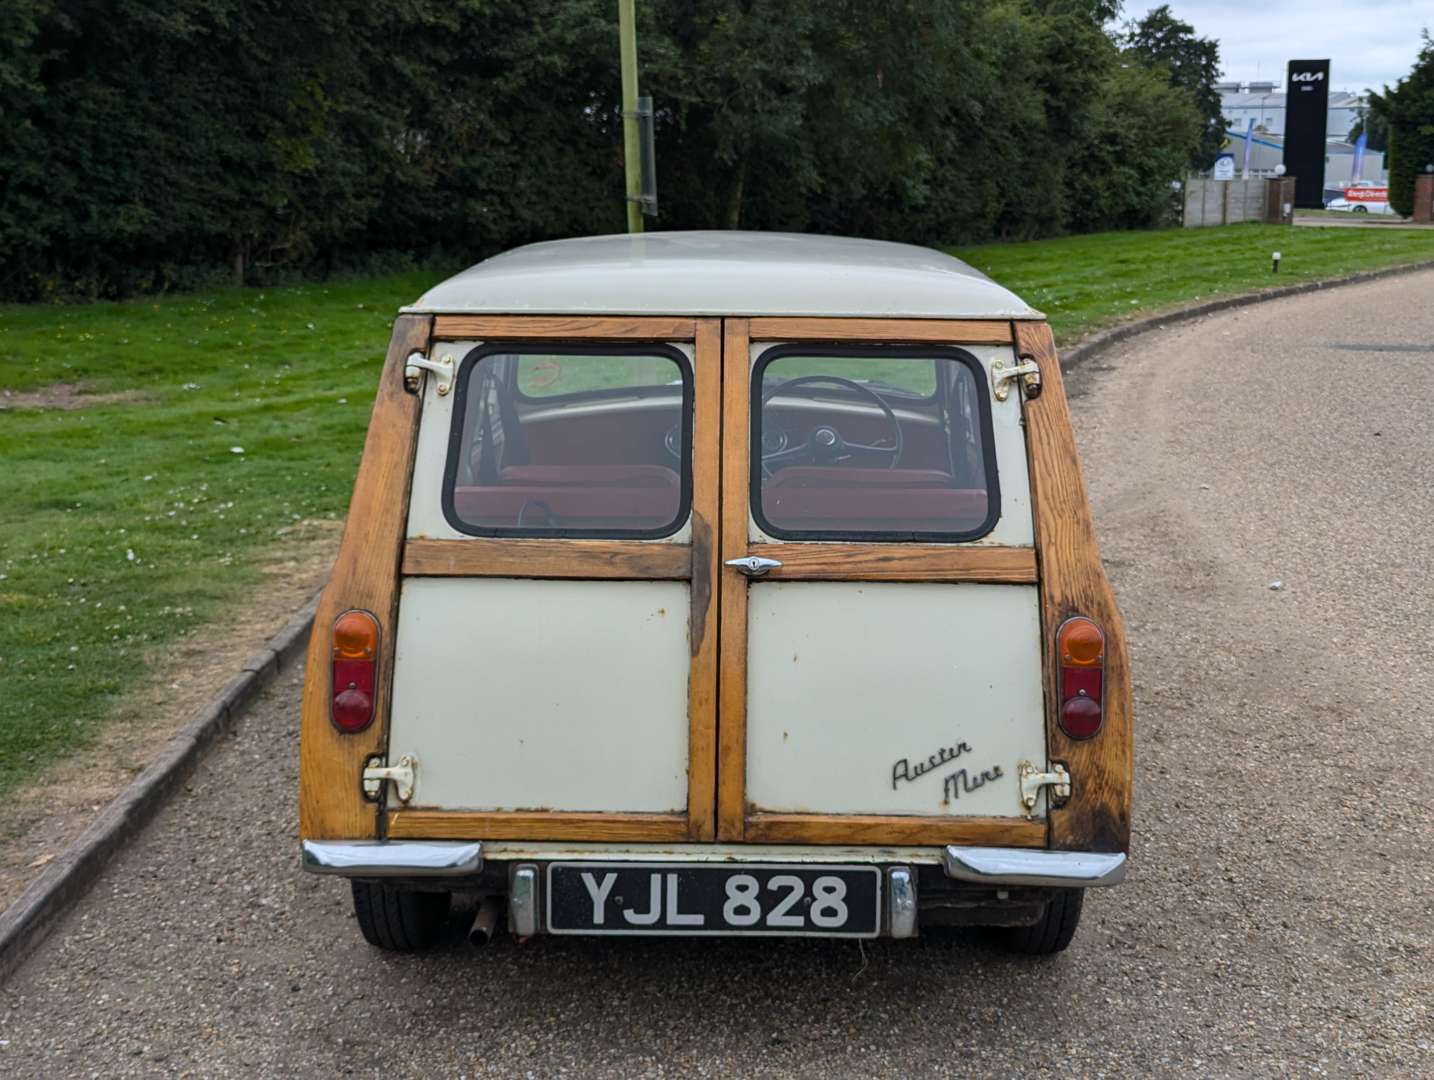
(393,858)
(1032,866)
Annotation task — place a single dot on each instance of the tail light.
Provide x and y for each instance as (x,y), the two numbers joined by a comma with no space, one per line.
(355,658)
(1081,648)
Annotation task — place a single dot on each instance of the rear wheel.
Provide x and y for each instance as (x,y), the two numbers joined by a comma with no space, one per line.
(1055,928)
(400,920)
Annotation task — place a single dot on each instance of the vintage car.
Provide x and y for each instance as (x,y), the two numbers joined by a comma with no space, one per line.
(718,583)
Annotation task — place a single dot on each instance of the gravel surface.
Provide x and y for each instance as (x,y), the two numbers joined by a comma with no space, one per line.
(1280,909)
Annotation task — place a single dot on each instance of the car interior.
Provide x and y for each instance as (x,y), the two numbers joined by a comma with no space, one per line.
(597,444)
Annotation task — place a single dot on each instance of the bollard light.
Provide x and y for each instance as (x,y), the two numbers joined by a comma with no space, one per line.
(1274,262)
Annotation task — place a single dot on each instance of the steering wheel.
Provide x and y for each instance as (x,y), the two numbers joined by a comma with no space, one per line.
(825,444)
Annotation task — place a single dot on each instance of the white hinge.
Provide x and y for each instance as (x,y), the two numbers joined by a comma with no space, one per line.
(1032,780)
(417,364)
(1025,369)
(404,775)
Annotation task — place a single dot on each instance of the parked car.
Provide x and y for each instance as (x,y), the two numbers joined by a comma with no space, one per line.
(1362,197)
(721,584)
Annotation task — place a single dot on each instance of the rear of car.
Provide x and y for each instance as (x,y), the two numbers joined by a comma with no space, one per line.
(719,584)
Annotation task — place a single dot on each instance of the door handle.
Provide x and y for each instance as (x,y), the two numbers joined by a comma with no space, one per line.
(754,565)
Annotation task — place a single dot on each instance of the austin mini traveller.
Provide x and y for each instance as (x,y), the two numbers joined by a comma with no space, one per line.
(723,584)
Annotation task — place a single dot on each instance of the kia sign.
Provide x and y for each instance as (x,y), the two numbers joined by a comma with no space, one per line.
(1307,97)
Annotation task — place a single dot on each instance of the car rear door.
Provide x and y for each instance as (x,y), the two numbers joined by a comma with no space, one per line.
(555,666)
(881,667)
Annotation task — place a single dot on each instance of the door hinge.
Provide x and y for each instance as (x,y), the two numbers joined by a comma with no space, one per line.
(404,775)
(417,364)
(1025,369)
(1032,780)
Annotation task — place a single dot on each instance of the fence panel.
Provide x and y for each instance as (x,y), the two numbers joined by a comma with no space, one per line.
(1223,202)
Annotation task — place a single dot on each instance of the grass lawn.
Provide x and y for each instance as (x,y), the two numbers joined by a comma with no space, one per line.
(1085,282)
(129,521)
(240,415)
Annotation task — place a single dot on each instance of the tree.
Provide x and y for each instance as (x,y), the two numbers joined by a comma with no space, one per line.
(1373,122)
(1144,134)
(1193,63)
(1409,111)
(154,144)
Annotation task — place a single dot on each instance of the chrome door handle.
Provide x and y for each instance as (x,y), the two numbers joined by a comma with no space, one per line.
(754,565)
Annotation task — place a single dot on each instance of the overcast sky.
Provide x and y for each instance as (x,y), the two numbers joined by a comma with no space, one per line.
(1368,42)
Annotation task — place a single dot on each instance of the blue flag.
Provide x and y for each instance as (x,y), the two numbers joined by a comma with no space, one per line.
(1358,171)
(1249,141)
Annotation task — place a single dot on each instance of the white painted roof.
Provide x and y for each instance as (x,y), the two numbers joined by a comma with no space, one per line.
(725,273)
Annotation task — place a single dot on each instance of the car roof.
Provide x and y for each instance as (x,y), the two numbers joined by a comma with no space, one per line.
(725,273)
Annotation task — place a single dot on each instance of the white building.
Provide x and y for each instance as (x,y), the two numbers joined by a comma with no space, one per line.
(1264,102)
(1267,151)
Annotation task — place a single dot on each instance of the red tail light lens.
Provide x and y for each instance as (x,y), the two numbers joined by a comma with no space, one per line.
(355,659)
(1080,647)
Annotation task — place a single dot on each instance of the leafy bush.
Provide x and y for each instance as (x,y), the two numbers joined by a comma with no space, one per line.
(150,146)
(1409,109)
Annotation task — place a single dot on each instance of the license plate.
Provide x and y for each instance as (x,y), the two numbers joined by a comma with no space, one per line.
(701,899)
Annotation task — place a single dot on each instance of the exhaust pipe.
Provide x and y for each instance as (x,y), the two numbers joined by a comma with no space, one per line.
(485,923)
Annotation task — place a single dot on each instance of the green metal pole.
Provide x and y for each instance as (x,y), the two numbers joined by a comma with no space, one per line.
(627,34)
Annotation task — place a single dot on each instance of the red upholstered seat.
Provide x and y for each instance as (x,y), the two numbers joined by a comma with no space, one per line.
(573,496)
(837,497)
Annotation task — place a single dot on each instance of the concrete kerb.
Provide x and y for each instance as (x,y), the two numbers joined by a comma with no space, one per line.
(1102,340)
(28,921)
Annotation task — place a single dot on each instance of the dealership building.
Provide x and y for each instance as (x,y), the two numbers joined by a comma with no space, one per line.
(1264,103)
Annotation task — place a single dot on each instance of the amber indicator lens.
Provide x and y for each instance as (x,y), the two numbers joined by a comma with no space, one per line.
(355,650)
(1080,645)
(355,636)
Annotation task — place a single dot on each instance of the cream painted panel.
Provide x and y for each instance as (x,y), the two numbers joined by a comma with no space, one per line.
(1014,527)
(849,680)
(425,505)
(555,695)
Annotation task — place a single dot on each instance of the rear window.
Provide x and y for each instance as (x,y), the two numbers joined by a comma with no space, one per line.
(572,441)
(888,443)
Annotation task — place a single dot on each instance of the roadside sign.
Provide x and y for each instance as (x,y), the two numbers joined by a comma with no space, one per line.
(1225,167)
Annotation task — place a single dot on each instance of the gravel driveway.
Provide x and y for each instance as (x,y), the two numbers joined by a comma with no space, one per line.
(1279,917)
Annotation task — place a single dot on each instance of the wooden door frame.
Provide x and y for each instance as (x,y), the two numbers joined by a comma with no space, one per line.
(821,561)
(1097,815)
(365,576)
(377,551)
(374,552)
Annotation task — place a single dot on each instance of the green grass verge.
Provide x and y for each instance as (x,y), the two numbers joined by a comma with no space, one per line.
(129,522)
(1083,283)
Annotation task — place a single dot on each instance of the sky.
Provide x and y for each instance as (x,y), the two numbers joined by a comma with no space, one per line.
(1368,42)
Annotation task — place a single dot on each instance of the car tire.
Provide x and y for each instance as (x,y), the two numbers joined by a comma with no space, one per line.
(399,920)
(1055,928)
(1361,209)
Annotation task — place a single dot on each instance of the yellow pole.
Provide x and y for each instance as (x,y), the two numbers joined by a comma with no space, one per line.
(627,35)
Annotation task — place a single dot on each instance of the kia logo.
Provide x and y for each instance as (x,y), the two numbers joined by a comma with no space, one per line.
(1307,76)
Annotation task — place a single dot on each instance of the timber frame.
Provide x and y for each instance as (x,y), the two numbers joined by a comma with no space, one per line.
(374,556)
(1073,582)
(365,575)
